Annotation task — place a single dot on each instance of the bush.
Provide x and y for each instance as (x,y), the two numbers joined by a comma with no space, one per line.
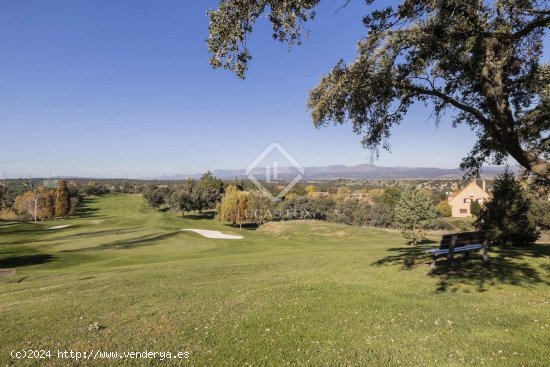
(475,208)
(350,212)
(540,214)
(8,215)
(507,213)
(382,216)
(444,209)
(443,225)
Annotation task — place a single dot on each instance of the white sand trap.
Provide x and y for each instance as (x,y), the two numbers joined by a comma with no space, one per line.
(59,227)
(213,234)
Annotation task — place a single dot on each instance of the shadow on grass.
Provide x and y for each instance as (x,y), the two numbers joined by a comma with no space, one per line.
(128,243)
(25,260)
(247,226)
(92,234)
(85,211)
(509,265)
(198,216)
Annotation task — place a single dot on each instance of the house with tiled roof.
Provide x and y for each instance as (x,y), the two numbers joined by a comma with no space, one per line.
(461,200)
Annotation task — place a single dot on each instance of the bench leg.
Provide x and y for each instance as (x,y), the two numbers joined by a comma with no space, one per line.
(484,255)
(466,256)
(432,265)
(451,261)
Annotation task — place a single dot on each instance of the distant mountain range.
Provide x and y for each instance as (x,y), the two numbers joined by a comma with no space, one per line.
(361,171)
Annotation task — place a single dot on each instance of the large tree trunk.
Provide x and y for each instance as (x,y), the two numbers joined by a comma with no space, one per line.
(502,126)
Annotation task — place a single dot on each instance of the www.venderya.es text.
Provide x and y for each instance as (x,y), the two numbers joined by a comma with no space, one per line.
(96,354)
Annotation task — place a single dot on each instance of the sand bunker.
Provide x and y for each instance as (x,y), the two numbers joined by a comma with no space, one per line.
(59,227)
(214,234)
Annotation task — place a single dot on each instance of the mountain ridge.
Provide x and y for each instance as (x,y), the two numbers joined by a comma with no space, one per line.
(334,172)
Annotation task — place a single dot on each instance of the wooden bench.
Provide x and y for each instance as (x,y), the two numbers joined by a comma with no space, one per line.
(465,243)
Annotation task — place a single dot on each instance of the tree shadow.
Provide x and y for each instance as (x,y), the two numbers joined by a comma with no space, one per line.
(203,215)
(407,256)
(508,265)
(25,260)
(128,243)
(86,212)
(247,226)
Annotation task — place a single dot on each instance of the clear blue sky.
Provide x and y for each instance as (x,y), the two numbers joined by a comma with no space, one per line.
(113,88)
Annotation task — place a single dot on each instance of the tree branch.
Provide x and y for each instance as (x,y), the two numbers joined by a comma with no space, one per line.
(537,23)
(456,103)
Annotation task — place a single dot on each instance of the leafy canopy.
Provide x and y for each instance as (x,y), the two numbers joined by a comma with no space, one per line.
(477,60)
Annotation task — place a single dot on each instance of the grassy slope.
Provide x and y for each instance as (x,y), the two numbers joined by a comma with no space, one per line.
(312,293)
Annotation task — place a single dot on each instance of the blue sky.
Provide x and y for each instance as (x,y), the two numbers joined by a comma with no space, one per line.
(114,88)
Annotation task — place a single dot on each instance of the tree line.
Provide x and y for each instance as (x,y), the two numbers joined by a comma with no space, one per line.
(41,203)
(190,196)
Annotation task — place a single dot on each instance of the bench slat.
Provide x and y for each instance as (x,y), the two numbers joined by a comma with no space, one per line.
(437,251)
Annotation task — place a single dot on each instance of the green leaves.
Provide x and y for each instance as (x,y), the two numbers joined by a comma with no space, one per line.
(414,214)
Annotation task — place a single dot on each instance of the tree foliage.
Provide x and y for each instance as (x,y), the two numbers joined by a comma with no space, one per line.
(181,199)
(507,213)
(62,200)
(259,208)
(49,203)
(414,213)
(444,209)
(475,208)
(477,60)
(233,206)
(30,204)
(208,192)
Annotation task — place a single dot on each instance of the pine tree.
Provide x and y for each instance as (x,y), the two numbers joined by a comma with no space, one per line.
(414,213)
(62,200)
(507,213)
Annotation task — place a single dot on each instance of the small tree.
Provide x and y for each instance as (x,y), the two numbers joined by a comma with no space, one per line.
(30,203)
(156,198)
(233,206)
(507,213)
(62,200)
(258,208)
(475,208)
(414,213)
(182,200)
(444,209)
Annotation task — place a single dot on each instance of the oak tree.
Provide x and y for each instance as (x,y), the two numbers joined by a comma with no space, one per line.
(479,61)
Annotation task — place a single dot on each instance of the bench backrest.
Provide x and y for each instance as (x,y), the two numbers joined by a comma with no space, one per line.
(465,238)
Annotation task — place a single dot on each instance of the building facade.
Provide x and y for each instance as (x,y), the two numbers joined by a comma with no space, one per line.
(460,200)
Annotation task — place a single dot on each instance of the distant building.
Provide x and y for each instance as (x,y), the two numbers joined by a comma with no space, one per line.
(460,200)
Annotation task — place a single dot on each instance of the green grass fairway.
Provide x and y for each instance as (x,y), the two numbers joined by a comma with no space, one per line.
(310,294)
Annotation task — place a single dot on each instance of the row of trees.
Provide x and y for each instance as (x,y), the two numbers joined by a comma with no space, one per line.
(512,212)
(239,207)
(43,203)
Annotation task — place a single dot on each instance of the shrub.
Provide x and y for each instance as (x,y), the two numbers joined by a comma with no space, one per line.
(382,216)
(441,224)
(8,215)
(475,208)
(350,212)
(444,209)
(540,214)
(507,213)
